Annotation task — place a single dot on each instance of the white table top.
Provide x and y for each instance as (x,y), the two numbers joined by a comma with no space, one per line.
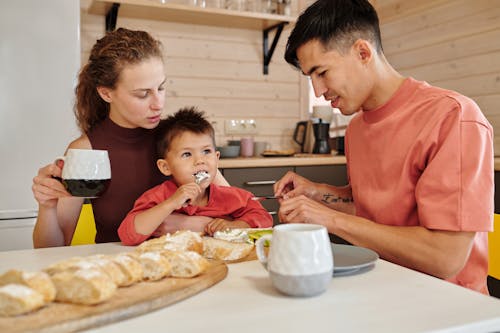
(388,298)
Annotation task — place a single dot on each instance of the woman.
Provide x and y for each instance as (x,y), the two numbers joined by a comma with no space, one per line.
(119,99)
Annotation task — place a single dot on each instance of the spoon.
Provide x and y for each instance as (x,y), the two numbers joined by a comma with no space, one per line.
(265,197)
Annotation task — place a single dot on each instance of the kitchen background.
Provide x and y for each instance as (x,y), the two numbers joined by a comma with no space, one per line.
(454,44)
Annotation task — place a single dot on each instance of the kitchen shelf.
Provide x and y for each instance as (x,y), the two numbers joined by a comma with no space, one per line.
(221,17)
(155,10)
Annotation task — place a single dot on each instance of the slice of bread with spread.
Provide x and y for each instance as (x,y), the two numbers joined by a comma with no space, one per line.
(221,249)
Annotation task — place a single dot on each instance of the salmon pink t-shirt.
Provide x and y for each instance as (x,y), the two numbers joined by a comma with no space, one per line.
(425,158)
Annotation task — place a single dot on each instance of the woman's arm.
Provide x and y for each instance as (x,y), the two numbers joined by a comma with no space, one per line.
(58,212)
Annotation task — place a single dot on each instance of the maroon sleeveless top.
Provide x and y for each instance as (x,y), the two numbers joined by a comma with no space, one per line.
(132,154)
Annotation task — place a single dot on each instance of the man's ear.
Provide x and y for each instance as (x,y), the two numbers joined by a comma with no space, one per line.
(163,167)
(105,93)
(364,50)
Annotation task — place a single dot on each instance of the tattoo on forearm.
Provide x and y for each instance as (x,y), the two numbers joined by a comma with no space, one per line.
(330,198)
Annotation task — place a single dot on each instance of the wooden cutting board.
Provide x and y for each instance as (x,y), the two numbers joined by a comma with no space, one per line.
(127,302)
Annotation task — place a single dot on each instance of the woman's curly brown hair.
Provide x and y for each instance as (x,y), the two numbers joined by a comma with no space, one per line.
(107,59)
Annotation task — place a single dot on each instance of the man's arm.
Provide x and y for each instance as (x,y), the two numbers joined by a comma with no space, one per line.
(438,253)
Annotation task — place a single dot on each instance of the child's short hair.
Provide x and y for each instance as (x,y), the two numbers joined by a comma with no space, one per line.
(187,119)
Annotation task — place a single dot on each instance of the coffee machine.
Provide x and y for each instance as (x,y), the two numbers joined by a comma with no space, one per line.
(321,137)
(313,135)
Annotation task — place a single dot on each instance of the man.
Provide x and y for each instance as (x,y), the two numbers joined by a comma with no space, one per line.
(419,158)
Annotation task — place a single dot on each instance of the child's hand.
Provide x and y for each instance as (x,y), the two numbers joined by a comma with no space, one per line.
(221,224)
(184,194)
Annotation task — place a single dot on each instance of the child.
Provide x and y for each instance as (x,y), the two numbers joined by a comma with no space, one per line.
(186,150)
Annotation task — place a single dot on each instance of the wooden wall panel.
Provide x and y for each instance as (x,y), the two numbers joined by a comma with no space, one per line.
(454,44)
(449,43)
(220,71)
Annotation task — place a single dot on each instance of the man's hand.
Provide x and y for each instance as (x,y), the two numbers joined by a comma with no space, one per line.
(293,185)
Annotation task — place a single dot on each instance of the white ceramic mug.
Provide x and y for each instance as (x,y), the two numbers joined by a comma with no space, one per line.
(300,260)
(86,172)
(259,147)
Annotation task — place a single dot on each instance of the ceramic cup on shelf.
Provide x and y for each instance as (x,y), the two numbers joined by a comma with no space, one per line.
(259,147)
(300,260)
(246,145)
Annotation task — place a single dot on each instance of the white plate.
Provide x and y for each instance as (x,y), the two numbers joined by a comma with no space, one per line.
(348,259)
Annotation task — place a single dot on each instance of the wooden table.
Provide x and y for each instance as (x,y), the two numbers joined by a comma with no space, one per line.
(387,298)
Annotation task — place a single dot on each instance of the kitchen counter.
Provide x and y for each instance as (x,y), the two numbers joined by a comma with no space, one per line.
(387,298)
(296,160)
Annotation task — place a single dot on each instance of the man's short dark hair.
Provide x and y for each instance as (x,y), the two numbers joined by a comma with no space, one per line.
(336,24)
(187,119)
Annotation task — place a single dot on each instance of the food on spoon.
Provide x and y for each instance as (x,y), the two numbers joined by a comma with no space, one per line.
(201,176)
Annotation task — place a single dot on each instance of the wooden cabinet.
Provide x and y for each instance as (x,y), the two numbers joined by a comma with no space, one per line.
(329,174)
(260,181)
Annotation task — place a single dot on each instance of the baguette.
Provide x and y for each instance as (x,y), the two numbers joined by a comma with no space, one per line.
(182,240)
(130,267)
(154,265)
(225,250)
(90,286)
(185,264)
(109,267)
(39,281)
(16,299)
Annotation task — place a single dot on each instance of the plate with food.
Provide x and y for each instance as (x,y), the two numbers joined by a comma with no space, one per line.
(278,153)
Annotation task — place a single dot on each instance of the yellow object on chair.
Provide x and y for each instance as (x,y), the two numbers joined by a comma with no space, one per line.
(494,248)
(85,228)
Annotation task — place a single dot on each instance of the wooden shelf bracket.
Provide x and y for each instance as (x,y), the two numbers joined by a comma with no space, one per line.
(268,52)
(111,17)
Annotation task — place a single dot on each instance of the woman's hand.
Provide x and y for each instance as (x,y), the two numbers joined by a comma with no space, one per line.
(293,185)
(46,189)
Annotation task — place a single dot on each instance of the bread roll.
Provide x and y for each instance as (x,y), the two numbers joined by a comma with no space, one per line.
(90,286)
(185,264)
(225,250)
(154,266)
(16,299)
(39,281)
(130,267)
(64,265)
(182,240)
(109,267)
